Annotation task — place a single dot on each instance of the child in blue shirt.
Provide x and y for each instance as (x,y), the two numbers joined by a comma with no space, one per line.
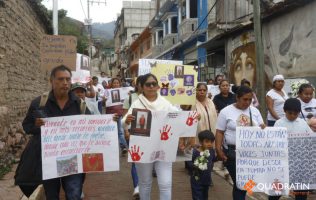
(294,125)
(201,170)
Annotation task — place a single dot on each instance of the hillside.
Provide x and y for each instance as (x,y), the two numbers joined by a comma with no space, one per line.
(103,30)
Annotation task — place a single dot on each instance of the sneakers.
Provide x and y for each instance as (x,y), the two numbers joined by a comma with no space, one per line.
(136,193)
(124,151)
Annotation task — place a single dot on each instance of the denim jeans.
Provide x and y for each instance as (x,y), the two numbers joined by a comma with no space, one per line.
(120,130)
(199,192)
(71,184)
(164,176)
(134,175)
(231,167)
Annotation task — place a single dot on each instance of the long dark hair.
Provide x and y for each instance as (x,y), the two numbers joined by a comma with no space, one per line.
(242,90)
(146,77)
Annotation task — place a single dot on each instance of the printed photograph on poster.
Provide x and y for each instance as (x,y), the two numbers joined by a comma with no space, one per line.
(84,63)
(115,94)
(92,162)
(179,71)
(164,91)
(188,80)
(67,165)
(142,123)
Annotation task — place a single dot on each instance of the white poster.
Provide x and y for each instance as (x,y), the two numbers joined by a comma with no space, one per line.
(79,144)
(116,96)
(145,65)
(302,165)
(262,160)
(81,76)
(155,135)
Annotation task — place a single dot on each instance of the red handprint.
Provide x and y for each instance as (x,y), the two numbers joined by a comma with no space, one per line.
(164,135)
(192,118)
(135,153)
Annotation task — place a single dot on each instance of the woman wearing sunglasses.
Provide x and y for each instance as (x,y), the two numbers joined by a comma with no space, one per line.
(151,100)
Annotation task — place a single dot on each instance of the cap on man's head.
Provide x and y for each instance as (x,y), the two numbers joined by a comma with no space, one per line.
(78,85)
(278,77)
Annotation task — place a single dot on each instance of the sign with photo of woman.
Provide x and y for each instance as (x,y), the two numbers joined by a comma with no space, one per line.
(115,94)
(141,126)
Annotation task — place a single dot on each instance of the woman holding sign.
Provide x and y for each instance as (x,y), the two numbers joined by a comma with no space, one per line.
(151,100)
(240,113)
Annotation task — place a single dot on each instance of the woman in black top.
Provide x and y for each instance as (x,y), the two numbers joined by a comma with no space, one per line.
(224,98)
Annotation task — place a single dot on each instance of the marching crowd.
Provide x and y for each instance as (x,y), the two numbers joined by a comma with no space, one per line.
(218,117)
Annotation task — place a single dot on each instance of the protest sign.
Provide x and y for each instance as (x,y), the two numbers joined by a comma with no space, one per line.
(177,82)
(116,96)
(82,76)
(302,154)
(79,144)
(262,160)
(145,65)
(58,50)
(160,138)
(82,62)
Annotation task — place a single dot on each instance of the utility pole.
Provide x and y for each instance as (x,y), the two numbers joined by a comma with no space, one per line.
(260,74)
(89,22)
(55,17)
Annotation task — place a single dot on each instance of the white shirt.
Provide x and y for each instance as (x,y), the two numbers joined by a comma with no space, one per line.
(230,117)
(297,126)
(278,103)
(308,109)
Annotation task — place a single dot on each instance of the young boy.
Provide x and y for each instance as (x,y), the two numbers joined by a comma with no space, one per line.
(294,124)
(201,179)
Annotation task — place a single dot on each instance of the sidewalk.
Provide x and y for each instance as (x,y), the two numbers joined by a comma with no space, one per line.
(8,191)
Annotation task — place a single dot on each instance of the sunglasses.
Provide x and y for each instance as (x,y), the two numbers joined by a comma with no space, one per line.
(154,84)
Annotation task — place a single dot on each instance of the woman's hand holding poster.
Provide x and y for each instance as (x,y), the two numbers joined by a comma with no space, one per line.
(79,144)
(155,135)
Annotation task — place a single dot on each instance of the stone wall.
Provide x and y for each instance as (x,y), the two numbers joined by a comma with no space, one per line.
(21,79)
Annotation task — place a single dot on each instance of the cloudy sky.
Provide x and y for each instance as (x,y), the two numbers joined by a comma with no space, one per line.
(98,13)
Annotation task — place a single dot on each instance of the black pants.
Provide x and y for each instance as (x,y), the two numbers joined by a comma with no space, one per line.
(28,189)
(199,192)
(230,164)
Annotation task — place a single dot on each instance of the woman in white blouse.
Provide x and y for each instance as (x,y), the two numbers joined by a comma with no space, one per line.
(275,99)
(151,100)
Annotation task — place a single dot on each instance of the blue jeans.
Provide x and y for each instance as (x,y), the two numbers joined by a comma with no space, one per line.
(100,106)
(120,130)
(71,184)
(134,175)
(199,192)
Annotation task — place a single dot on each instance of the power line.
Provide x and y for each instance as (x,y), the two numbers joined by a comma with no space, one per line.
(85,16)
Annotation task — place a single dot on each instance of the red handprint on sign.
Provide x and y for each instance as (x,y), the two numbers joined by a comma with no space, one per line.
(164,134)
(192,118)
(135,153)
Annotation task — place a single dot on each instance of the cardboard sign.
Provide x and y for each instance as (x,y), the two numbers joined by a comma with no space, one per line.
(155,135)
(58,50)
(262,160)
(116,96)
(177,82)
(79,144)
(145,65)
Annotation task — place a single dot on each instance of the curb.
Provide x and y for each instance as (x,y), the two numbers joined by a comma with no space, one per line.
(38,194)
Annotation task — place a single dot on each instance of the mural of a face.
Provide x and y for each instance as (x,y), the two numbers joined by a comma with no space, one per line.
(243,64)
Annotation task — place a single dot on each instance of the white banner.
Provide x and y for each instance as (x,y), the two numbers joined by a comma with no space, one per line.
(79,144)
(155,135)
(145,65)
(262,160)
(116,96)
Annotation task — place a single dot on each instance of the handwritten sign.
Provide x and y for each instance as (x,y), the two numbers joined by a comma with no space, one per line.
(145,65)
(58,50)
(302,154)
(160,136)
(177,82)
(262,156)
(79,144)
(116,96)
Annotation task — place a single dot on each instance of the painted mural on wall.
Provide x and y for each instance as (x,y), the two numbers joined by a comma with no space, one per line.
(290,43)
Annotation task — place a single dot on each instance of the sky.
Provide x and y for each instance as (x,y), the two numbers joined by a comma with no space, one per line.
(98,13)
